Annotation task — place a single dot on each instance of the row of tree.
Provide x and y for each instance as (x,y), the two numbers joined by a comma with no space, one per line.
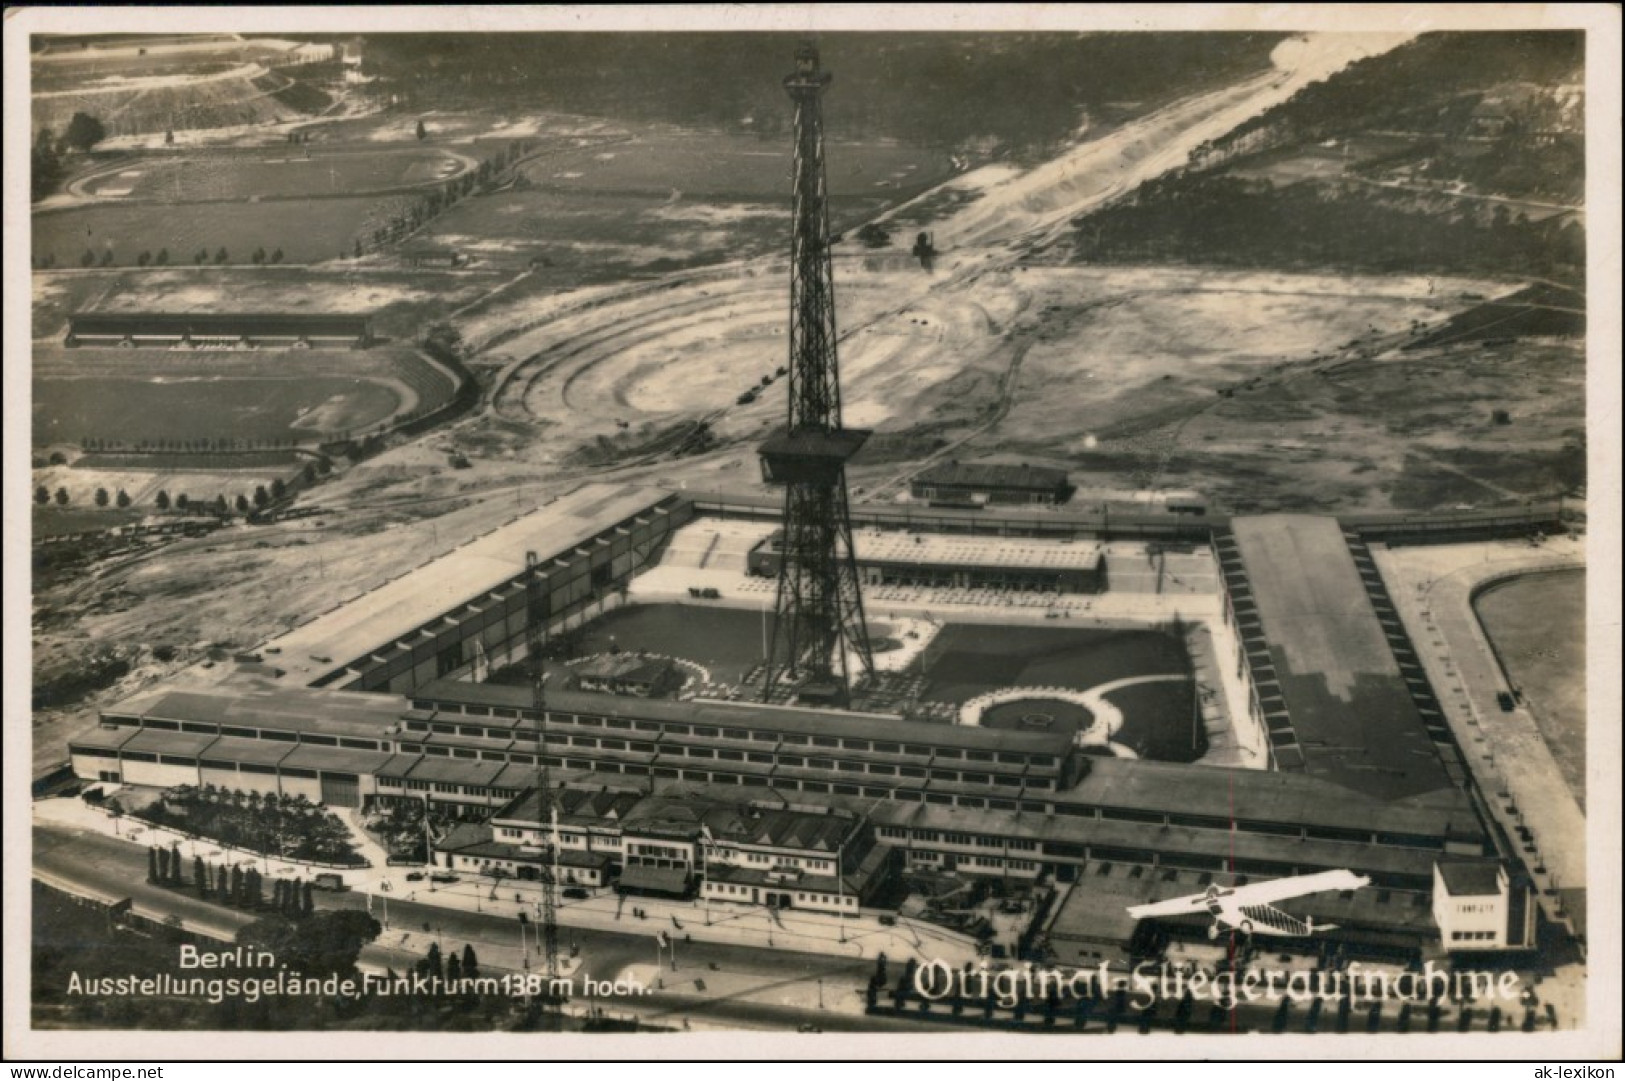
(426,208)
(147,258)
(230,884)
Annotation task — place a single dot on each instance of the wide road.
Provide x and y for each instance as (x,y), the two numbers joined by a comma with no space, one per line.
(105,865)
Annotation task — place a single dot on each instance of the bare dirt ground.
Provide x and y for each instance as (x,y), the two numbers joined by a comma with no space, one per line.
(1118,375)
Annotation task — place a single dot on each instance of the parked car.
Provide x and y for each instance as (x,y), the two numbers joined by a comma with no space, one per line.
(576,893)
(415,876)
(444,878)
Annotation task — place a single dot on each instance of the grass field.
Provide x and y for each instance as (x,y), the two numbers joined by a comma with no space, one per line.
(1038,715)
(1158,721)
(401,302)
(583,237)
(134,398)
(252,409)
(55,521)
(728,641)
(663,200)
(966,660)
(276,174)
(734,167)
(1537,624)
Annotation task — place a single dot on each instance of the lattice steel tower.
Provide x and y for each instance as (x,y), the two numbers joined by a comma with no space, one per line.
(819,634)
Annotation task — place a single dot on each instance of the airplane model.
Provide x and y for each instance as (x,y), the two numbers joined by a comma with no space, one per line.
(1250,909)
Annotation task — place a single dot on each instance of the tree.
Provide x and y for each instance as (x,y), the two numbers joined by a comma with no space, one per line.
(45,165)
(144,258)
(122,499)
(278,489)
(261,496)
(276,256)
(358,247)
(324,945)
(242,503)
(444,342)
(84,131)
(107,257)
(471,963)
(308,905)
(258,257)
(201,257)
(220,256)
(182,501)
(88,259)
(162,500)
(162,258)
(169,137)
(101,497)
(436,967)
(220,504)
(175,878)
(152,864)
(423,132)
(61,497)
(42,495)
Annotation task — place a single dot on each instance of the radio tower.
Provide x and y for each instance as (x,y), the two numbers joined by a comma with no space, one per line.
(818,628)
(535,642)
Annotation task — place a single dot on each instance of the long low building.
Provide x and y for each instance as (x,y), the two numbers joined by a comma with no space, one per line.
(478,600)
(891,557)
(376,703)
(1321,647)
(1009,802)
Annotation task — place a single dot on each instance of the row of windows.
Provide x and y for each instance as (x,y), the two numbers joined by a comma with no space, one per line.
(731,889)
(412,784)
(1472,936)
(964,840)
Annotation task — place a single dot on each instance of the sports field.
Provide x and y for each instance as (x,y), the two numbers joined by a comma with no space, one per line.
(251,409)
(206,399)
(277,174)
(1537,625)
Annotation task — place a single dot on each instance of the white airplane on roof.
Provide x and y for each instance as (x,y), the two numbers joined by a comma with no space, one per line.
(1250,909)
